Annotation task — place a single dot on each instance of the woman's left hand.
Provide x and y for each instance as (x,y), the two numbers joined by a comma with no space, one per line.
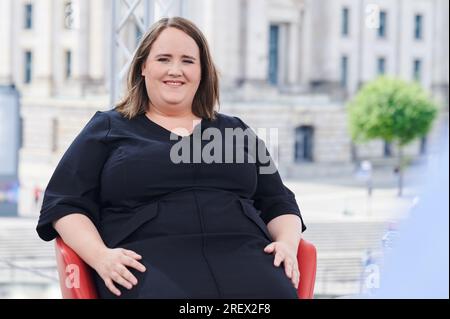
(287,255)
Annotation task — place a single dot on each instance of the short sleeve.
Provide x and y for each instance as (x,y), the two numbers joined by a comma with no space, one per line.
(271,197)
(75,183)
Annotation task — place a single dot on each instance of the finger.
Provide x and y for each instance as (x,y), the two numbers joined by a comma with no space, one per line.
(296,274)
(128,261)
(121,281)
(110,285)
(125,273)
(297,278)
(278,259)
(288,268)
(269,248)
(294,278)
(132,254)
(293,275)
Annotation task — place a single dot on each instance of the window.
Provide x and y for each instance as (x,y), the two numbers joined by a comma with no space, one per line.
(304,138)
(68,64)
(55,130)
(417,70)
(68,15)
(344,71)
(138,33)
(28,67)
(418,27)
(21,130)
(423,145)
(387,151)
(273,53)
(381,66)
(28,21)
(383,25)
(345,21)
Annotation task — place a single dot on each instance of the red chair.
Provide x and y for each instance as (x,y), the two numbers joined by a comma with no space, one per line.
(76,278)
(307,265)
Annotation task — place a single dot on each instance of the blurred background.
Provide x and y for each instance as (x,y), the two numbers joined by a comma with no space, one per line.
(294,65)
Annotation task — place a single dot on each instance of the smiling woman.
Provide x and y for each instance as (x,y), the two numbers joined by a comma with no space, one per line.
(161,228)
(172,74)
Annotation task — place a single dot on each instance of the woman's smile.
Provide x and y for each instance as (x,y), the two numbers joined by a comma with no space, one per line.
(173,84)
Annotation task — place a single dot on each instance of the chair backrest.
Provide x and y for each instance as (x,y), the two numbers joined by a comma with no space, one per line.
(76,277)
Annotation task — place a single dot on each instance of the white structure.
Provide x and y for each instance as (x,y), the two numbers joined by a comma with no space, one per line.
(283,63)
(300,43)
(350,42)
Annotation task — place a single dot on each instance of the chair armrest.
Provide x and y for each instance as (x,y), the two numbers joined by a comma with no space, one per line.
(75,276)
(307,264)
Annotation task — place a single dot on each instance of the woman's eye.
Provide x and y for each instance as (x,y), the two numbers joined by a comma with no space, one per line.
(167,60)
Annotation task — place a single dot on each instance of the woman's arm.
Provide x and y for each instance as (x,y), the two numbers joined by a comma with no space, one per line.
(286,230)
(79,233)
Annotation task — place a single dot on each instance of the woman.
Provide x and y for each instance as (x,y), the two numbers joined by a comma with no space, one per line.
(164,228)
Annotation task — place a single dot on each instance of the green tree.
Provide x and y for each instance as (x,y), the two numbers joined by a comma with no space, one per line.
(393,110)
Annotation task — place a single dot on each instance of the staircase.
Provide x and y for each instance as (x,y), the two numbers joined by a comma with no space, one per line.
(341,249)
(24,258)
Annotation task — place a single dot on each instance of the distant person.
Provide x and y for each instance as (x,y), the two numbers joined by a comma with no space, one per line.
(37,193)
(171,230)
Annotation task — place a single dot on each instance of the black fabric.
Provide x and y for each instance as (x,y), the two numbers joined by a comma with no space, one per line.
(200,227)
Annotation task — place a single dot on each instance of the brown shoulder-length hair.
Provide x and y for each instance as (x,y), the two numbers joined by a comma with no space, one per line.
(136,100)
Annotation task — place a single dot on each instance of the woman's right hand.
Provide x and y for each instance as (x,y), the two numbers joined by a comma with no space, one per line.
(112,264)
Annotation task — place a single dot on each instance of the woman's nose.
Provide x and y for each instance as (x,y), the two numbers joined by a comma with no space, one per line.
(175,69)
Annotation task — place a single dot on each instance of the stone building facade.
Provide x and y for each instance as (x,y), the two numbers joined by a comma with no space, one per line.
(286,64)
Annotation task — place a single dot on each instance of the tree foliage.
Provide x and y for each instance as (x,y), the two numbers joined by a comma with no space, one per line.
(392,110)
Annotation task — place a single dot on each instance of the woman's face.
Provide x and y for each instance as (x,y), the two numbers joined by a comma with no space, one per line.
(172,70)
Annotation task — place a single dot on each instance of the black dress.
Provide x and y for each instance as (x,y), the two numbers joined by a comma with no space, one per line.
(200,227)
